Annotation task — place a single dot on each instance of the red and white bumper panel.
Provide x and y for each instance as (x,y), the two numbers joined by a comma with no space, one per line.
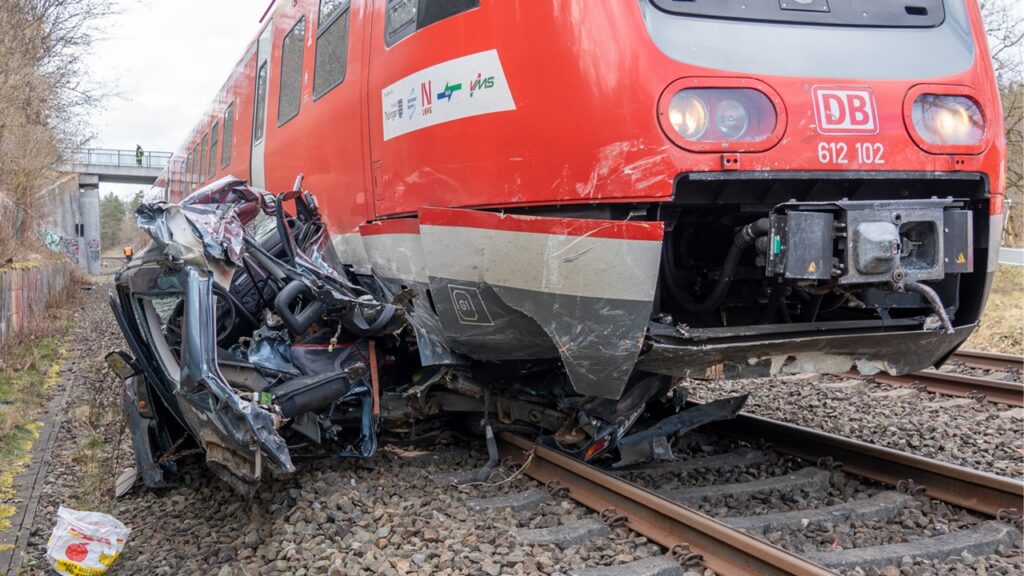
(394,254)
(500,287)
(518,287)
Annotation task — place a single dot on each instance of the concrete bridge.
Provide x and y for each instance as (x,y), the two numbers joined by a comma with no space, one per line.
(121,166)
(72,214)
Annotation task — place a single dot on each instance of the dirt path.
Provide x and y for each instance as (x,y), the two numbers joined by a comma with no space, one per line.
(71,450)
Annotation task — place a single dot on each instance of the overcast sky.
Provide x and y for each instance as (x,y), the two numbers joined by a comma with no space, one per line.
(165,59)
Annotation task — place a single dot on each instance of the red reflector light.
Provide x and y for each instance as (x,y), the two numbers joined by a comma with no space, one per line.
(595,448)
(996,205)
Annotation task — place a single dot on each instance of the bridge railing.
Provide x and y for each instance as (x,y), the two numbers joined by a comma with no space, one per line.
(122,158)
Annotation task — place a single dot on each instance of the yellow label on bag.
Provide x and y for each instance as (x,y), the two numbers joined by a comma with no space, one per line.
(107,560)
(76,569)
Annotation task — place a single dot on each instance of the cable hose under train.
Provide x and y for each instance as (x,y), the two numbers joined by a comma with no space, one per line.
(740,242)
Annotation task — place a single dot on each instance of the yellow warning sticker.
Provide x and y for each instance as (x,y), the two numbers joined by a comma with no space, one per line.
(75,569)
(812,268)
(960,259)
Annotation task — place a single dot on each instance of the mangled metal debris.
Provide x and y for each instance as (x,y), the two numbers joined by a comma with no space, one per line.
(249,342)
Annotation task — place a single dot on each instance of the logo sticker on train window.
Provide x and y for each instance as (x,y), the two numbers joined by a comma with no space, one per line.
(845,110)
(468,86)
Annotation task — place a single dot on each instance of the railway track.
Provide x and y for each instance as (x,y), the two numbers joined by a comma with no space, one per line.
(989,360)
(737,545)
(966,385)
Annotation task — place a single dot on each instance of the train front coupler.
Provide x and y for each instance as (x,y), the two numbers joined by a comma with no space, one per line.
(895,246)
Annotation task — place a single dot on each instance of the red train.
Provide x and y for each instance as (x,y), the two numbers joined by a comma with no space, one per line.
(699,188)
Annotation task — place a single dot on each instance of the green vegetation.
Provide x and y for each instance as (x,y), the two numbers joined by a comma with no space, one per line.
(31,369)
(112,216)
(117,220)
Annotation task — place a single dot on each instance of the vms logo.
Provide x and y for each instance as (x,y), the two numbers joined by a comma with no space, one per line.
(845,110)
(480,83)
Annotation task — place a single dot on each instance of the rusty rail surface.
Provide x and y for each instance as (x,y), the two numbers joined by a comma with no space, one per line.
(989,360)
(979,491)
(723,549)
(999,391)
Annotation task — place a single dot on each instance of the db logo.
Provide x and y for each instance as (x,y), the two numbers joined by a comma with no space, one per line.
(845,110)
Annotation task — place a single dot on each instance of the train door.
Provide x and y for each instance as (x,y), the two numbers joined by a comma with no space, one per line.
(259,112)
(422,61)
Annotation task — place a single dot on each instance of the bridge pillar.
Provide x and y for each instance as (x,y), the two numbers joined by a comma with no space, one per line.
(89,205)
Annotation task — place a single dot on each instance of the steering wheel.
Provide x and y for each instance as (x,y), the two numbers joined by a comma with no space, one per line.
(227,316)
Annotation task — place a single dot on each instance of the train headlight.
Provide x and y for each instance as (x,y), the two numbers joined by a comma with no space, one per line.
(730,117)
(946,120)
(688,115)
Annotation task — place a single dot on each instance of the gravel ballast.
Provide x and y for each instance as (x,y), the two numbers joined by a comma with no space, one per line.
(977,434)
(386,515)
(394,514)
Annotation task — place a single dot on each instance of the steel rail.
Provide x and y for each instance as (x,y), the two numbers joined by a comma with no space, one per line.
(979,491)
(989,360)
(999,391)
(723,549)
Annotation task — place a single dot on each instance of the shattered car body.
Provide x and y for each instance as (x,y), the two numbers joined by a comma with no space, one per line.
(249,342)
(215,362)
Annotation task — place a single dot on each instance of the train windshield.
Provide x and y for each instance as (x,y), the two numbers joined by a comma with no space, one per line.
(858,39)
(861,13)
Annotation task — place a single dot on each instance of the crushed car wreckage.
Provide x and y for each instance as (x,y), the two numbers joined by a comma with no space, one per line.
(251,344)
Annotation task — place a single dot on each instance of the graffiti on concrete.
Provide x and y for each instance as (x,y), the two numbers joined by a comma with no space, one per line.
(94,250)
(71,249)
(50,239)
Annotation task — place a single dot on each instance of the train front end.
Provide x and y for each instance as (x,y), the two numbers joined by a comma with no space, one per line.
(838,199)
(699,188)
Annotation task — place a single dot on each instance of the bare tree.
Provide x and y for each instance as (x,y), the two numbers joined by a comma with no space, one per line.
(1004,23)
(45,97)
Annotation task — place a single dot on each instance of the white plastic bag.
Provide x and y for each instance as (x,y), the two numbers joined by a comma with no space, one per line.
(85,543)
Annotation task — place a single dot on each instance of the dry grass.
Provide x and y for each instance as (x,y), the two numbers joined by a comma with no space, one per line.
(31,366)
(98,428)
(1002,324)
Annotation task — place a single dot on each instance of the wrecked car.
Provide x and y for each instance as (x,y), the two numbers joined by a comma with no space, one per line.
(249,345)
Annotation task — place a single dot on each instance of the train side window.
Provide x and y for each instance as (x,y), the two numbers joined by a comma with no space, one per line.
(290,92)
(194,173)
(186,172)
(214,138)
(407,16)
(331,46)
(229,128)
(261,103)
(202,158)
